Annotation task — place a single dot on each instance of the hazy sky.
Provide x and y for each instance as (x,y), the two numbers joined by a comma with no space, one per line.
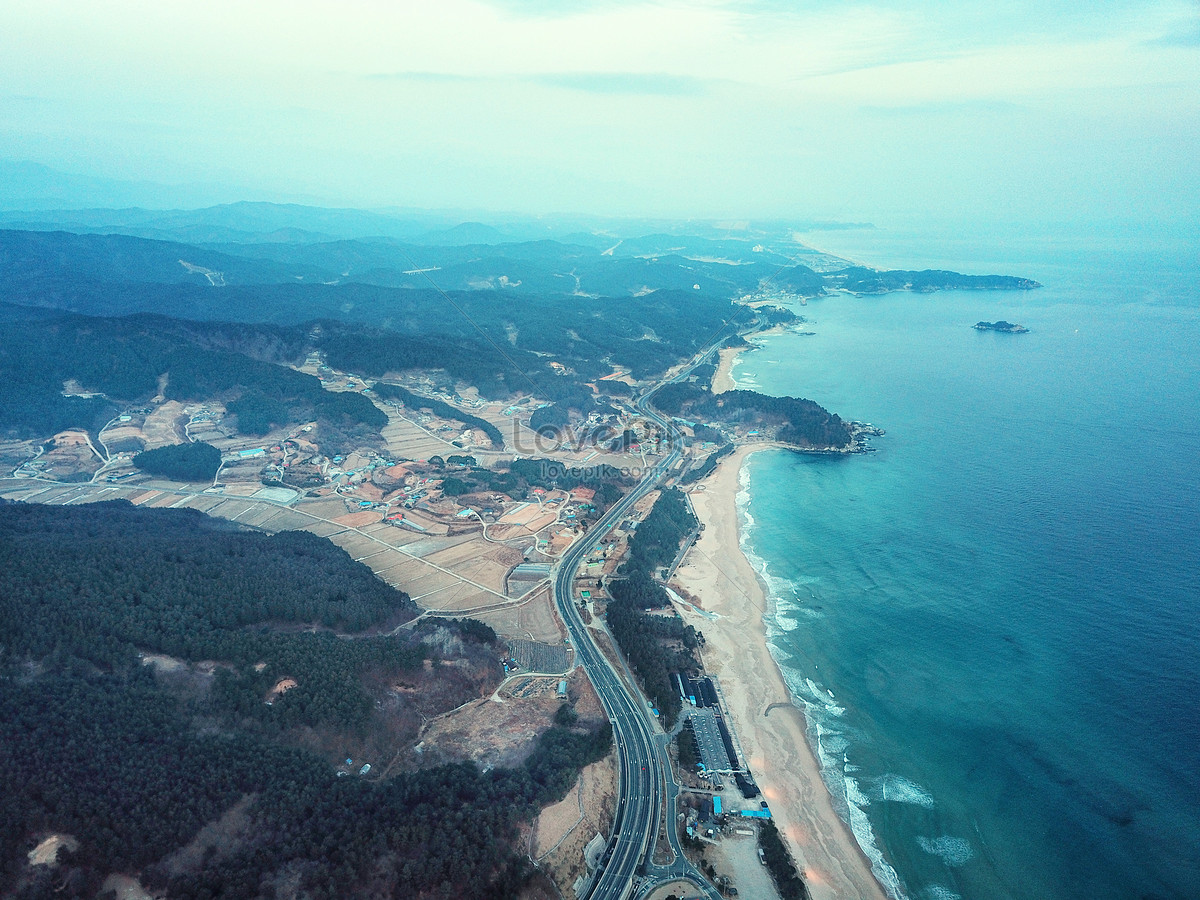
(849,110)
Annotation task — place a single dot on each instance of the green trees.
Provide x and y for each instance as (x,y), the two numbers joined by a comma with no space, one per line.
(474,630)
(707,467)
(689,756)
(658,537)
(182,462)
(649,642)
(800,422)
(779,862)
(103,582)
(456,487)
(863,280)
(548,419)
(442,409)
(257,413)
(115,763)
(134,764)
(643,639)
(123,360)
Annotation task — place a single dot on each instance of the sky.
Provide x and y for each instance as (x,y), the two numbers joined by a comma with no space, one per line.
(1022,111)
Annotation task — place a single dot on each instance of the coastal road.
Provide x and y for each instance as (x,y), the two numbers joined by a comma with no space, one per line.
(647,788)
(642,780)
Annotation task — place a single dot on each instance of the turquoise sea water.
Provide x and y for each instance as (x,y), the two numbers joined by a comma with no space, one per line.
(994,620)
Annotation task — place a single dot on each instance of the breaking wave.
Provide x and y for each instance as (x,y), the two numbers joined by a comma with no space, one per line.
(938,892)
(898,789)
(953,851)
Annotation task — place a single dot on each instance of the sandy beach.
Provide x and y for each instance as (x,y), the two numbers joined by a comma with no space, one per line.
(723,378)
(770,728)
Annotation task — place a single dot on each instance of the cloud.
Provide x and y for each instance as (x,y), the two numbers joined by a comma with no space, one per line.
(658,84)
(427,77)
(943,108)
(652,83)
(553,9)
(1187,35)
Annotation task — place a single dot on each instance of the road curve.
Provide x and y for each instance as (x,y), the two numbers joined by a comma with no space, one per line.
(646,782)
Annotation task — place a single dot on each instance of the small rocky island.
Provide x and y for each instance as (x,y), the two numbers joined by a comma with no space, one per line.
(1006,327)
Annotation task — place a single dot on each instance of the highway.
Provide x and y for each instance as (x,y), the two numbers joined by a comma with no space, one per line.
(647,789)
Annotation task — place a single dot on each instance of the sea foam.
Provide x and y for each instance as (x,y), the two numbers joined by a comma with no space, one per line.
(938,892)
(954,851)
(830,745)
(898,789)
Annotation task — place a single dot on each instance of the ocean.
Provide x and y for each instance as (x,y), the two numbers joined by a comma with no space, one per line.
(993,621)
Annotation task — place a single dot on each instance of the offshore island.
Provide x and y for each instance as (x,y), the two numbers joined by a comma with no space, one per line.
(412,613)
(1001,326)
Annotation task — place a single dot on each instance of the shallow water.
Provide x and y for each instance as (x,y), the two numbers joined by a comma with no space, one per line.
(994,620)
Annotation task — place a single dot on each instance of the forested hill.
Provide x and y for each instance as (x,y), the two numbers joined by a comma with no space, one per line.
(646,333)
(534,318)
(123,360)
(133,760)
(470,258)
(862,280)
(790,420)
(642,328)
(27,257)
(101,582)
(492,316)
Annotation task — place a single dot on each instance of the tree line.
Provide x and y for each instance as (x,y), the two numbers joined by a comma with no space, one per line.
(659,535)
(655,645)
(779,863)
(706,468)
(115,762)
(439,408)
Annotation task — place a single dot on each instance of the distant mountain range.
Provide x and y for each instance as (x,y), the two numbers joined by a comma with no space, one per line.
(36,197)
(499,316)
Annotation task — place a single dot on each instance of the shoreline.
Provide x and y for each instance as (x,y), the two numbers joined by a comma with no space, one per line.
(722,380)
(771,728)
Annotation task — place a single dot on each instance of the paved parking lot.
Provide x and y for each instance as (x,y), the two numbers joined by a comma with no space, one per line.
(708,741)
